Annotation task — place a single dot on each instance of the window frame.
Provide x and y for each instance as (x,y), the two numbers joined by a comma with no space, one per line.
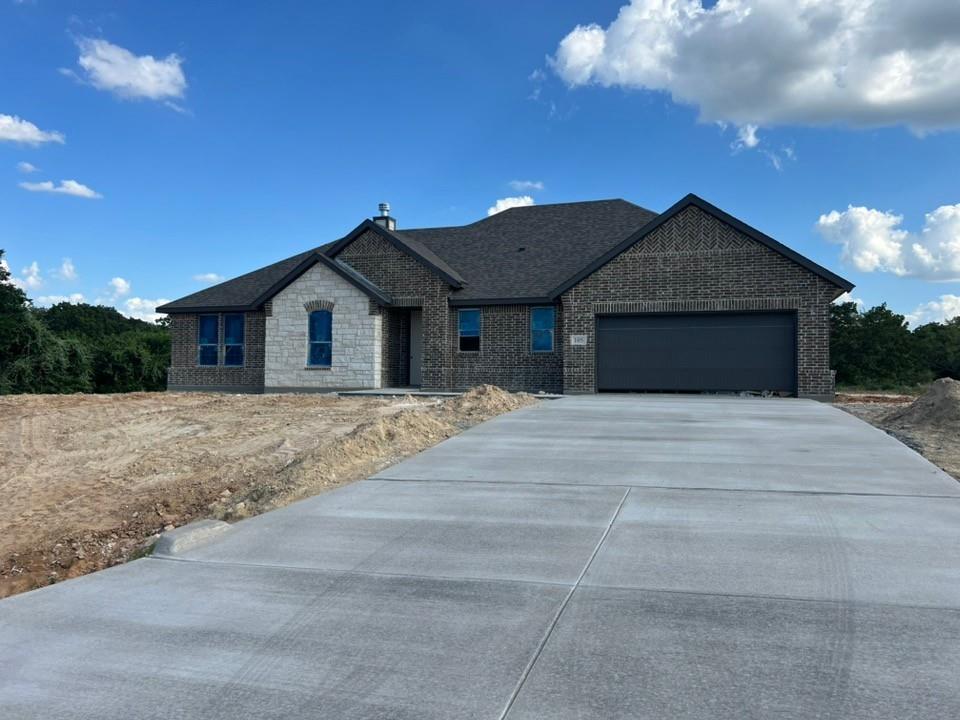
(201,345)
(311,342)
(461,336)
(243,340)
(553,329)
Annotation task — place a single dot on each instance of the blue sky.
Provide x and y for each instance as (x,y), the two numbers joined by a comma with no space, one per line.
(254,131)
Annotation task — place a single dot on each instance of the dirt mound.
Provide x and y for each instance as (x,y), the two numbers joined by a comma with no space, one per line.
(938,408)
(485,401)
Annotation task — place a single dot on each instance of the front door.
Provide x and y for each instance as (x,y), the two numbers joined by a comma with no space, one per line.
(416,347)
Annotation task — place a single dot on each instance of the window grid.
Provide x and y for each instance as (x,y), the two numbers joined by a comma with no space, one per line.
(468,325)
(208,340)
(542,329)
(320,350)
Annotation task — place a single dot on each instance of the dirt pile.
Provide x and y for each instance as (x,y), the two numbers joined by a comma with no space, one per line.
(938,408)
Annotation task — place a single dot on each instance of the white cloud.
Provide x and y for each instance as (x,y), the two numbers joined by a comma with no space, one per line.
(873,241)
(848,298)
(117,70)
(67,270)
(942,310)
(14,129)
(862,63)
(48,300)
(119,288)
(526,185)
(510,202)
(29,277)
(208,278)
(66,187)
(746,138)
(26,168)
(142,309)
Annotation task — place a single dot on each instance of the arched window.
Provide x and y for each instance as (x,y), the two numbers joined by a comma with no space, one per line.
(320,351)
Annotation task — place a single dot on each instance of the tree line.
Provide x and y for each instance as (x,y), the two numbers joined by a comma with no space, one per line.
(76,347)
(875,348)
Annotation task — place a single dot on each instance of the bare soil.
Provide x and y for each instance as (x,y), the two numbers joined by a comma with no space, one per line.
(929,424)
(88,481)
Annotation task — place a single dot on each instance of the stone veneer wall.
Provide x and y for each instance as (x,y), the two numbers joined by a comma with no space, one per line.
(185,374)
(356,335)
(697,263)
(505,358)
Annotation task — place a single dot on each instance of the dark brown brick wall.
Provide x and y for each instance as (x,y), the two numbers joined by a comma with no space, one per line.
(410,283)
(505,358)
(697,263)
(184,371)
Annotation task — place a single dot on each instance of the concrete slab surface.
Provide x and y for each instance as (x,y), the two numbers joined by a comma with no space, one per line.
(515,532)
(682,441)
(588,557)
(843,548)
(624,654)
(169,639)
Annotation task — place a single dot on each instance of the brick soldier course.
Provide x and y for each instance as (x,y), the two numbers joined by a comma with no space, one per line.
(586,260)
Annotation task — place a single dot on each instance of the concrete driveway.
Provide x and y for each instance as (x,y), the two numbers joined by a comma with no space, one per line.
(591,557)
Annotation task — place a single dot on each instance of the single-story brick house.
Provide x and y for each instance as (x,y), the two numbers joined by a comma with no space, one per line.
(574,298)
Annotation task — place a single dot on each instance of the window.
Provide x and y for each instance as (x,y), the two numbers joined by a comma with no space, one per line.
(542,320)
(321,340)
(233,339)
(469,323)
(208,340)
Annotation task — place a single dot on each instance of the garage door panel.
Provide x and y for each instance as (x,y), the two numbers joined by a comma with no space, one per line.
(697,352)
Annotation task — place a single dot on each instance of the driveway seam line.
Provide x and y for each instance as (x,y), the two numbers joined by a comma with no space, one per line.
(329,571)
(667,487)
(563,606)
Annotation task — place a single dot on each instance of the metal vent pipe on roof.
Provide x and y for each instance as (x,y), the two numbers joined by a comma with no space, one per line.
(383,219)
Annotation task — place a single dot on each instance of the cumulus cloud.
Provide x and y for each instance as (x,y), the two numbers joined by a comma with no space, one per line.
(29,279)
(142,308)
(15,129)
(67,270)
(861,63)
(942,310)
(110,67)
(526,185)
(209,278)
(119,288)
(65,187)
(509,202)
(27,168)
(49,300)
(874,241)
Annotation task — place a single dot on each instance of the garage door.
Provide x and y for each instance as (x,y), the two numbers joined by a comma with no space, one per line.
(697,352)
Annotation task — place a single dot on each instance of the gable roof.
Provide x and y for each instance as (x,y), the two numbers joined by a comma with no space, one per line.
(250,291)
(696,201)
(407,245)
(523,255)
(525,252)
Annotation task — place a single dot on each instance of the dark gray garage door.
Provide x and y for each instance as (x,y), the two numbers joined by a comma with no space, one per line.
(697,352)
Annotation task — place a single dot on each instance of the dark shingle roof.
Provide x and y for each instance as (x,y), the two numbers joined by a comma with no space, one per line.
(557,241)
(527,253)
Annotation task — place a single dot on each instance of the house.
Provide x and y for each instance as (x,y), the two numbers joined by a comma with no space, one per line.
(574,298)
